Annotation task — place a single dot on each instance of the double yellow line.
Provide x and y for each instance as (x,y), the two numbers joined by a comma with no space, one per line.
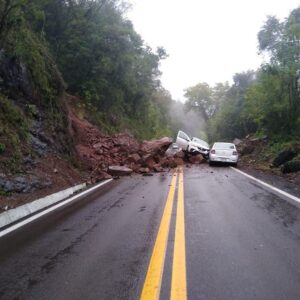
(152,284)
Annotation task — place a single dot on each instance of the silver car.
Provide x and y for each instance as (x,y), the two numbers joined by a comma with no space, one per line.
(223,152)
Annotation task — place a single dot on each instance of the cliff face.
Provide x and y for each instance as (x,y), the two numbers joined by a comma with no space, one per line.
(36,149)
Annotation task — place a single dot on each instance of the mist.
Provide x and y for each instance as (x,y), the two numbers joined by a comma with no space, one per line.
(189,122)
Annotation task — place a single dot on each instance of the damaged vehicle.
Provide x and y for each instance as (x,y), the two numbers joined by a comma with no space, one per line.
(192,145)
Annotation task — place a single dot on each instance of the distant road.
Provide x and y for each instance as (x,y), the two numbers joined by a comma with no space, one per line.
(201,233)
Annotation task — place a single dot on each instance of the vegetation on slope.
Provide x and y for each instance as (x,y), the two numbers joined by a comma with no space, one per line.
(105,62)
(87,48)
(265,102)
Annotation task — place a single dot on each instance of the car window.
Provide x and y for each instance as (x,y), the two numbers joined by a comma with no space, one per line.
(224,146)
(201,142)
(183,136)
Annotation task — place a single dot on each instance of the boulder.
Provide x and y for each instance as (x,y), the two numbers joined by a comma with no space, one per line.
(284,157)
(180,154)
(179,161)
(245,149)
(119,171)
(135,167)
(135,158)
(150,162)
(155,146)
(146,156)
(171,163)
(158,168)
(99,176)
(144,170)
(172,150)
(97,146)
(127,141)
(196,159)
(291,166)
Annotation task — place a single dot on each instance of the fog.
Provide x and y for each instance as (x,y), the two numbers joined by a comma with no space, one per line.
(189,122)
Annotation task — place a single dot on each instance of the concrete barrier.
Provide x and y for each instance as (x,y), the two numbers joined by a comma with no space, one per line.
(14,215)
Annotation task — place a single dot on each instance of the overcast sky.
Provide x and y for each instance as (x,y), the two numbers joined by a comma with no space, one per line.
(208,41)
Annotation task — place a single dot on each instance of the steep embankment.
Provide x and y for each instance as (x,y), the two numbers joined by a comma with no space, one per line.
(44,144)
(276,158)
(36,148)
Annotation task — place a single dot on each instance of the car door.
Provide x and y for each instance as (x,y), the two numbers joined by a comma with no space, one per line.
(182,140)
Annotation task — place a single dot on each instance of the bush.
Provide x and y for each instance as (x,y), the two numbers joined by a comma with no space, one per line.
(291,166)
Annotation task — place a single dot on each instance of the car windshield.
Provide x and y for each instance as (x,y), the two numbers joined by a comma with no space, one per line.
(223,146)
(201,142)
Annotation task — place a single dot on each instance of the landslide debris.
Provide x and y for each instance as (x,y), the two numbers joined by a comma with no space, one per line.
(104,156)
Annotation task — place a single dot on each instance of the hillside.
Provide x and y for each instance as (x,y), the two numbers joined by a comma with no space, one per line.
(49,50)
(80,91)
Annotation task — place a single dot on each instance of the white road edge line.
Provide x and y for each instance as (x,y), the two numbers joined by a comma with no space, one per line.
(46,211)
(268,185)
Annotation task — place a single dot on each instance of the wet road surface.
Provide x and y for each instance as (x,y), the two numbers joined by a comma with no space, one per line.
(208,233)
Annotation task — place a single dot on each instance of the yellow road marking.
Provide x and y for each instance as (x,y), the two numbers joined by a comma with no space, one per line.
(178,285)
(152,284)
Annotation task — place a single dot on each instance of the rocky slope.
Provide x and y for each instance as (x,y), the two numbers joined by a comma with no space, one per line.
(44,169)
(103,156)
(262,154)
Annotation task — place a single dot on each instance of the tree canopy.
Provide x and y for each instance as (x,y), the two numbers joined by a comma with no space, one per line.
(265,101)
(94,46)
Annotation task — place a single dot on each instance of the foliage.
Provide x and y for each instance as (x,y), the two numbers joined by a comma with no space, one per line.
(266,101)
(199,97)
(274,101)
(28,50)
(14,131)
(103,59)
(87,47)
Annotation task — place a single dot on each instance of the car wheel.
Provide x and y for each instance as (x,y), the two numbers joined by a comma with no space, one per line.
(211,163)
(234,165)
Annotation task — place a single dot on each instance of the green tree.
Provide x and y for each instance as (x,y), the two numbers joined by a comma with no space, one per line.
(230,121)
(199,97)
(274,102)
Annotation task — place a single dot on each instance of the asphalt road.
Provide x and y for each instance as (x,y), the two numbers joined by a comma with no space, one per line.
(209,233)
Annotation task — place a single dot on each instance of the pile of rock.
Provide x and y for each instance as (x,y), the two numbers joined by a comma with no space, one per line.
(106,156)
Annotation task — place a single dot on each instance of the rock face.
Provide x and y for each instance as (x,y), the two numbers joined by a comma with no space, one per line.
(15,77)
(22,184)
